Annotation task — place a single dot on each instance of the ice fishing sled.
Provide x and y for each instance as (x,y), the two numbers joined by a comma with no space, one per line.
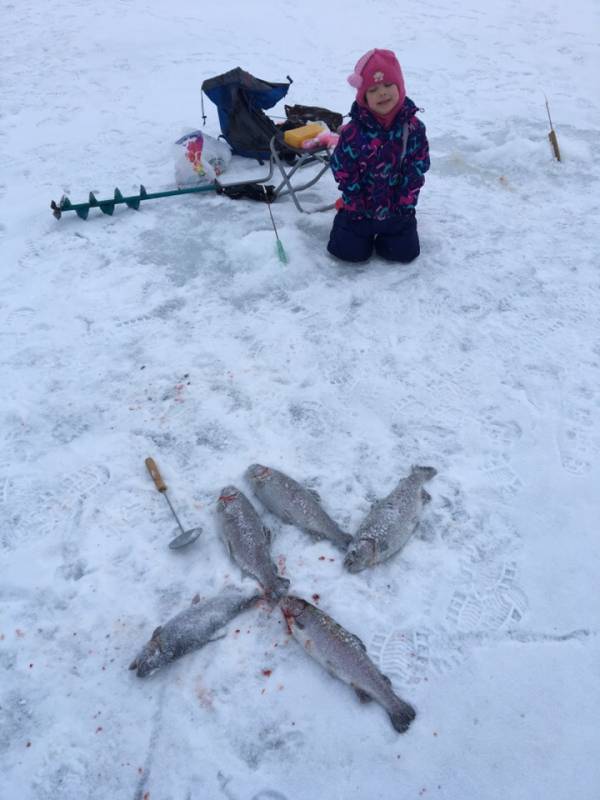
(268,160)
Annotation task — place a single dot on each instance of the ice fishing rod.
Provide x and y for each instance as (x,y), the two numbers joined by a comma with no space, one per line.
(280,249)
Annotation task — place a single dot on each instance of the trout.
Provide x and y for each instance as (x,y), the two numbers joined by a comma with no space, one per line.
(391,522)
(294,504)
(345,657)
(189,630)
(248,541)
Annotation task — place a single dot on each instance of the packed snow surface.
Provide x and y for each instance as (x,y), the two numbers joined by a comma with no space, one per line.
(175,332)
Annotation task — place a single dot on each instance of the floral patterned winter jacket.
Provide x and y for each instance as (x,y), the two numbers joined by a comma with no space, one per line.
(366,164)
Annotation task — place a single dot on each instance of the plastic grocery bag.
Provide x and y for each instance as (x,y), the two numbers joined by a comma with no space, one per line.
(200,159)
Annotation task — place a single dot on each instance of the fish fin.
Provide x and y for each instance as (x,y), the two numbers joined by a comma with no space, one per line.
(315,495)
(156,633)
(402,716)
(134,664)
(268,534)
(345,539)
(427,473)
(357,641)
(425,497)
(386,679)
(362,695)
(330,667)
(217,638)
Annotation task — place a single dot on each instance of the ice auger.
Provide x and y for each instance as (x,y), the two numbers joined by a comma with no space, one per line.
(133,201)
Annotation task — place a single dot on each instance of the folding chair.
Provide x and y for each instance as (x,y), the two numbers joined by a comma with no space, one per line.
(240,99)
(318,155)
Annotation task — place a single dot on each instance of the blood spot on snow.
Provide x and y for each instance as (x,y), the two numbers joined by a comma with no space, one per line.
(99,729)
(267,673)
(195,599)
(19,633)
(321,558)
(281,564)
(204,696)
(316,597)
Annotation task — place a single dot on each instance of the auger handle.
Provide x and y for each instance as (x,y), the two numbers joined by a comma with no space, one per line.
(155,474)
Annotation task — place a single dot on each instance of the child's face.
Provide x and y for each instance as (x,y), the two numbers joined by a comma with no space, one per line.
(382,97)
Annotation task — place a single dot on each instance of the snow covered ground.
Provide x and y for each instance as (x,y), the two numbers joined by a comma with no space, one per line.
(175,332)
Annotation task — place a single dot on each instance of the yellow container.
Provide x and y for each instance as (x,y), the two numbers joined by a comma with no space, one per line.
(296,136)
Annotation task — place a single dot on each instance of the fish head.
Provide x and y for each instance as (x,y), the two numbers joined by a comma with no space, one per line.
(227,498)
(257,473)
(360,555)
(292,608)
(150,657)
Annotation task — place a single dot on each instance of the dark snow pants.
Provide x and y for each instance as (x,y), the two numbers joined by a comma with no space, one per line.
(393,239)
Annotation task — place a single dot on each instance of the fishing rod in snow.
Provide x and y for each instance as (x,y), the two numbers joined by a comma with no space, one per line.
(552,135)
(280,249)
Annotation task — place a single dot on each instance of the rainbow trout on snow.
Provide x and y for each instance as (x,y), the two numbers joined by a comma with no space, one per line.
(189,630)
(248,541)
(345,657)
(295,504)
(391,522)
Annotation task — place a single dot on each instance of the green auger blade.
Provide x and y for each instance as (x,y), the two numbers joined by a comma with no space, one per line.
(133,201)
(65,204)
(107,207)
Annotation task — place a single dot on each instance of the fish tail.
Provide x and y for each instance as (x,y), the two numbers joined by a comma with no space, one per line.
(344,539)
(279,588)
(402,715)
(427,473)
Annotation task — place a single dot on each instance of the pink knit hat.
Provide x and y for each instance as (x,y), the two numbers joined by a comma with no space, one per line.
(376,66)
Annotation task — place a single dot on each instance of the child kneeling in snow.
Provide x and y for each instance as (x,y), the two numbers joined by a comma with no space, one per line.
(379,165)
